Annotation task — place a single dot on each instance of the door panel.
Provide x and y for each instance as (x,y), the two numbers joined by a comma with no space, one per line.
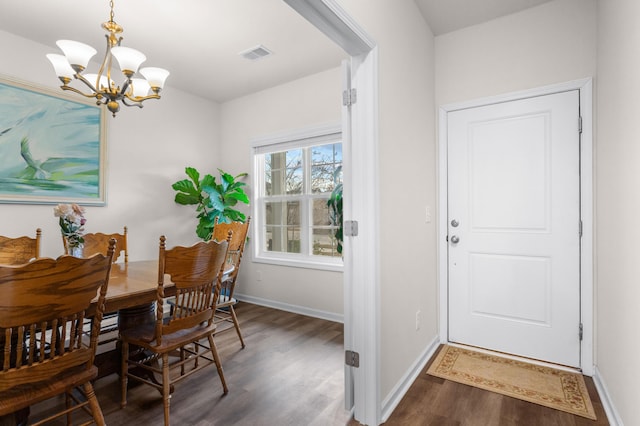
(514,198)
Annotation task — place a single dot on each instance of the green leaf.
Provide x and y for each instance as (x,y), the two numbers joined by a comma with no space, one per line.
(226,177)
(193,174)
(241,175)
(204,230)
(208,180)
(216,203)
(185,185)
(235,215)
(186,199)
(239,196)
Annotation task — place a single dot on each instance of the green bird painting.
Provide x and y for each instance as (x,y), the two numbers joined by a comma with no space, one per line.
(50,147)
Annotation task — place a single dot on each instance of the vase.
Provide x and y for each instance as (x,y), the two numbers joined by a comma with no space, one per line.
(76,251)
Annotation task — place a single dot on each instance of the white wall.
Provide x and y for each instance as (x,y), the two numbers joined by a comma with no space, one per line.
(551,43)
(407,184)
(147,150)
(299,104)
(618,204)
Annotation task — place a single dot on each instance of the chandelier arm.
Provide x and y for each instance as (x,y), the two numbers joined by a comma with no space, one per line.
(126,100)
(139,99)
(125,86)
(73,89)
(104,60)
(88,83)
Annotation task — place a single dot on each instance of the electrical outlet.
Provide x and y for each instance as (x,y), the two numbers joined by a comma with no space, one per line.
(427,215)
(258,275)
(418,319)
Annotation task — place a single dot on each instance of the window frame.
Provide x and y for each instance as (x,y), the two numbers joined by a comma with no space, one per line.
(302,138)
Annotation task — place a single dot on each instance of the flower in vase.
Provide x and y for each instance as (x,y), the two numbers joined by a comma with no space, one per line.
(71,223)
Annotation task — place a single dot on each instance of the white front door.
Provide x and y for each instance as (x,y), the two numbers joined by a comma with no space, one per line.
(514,227)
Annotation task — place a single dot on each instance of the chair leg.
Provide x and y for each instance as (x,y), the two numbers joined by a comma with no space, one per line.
(93,404)
(181,361)
(196,349)
(123,374)
(216,358)
(166,387)
(236,324)
(67,404)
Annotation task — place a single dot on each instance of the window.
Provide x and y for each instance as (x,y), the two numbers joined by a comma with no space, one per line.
(294,178)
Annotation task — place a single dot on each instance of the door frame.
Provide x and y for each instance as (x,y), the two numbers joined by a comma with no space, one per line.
(361,253)
(585,87)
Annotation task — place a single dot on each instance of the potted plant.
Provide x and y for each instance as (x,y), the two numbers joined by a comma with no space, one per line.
(213,200)
(335,209)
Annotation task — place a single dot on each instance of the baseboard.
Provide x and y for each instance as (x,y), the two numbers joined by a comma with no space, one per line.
(398,392)
(296,309)
(605,398)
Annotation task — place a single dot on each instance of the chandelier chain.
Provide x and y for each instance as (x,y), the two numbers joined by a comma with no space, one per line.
(111,14)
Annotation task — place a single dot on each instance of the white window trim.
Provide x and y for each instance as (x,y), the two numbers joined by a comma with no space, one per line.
(305,137)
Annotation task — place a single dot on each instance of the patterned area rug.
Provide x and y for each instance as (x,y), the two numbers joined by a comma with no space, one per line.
(561,390)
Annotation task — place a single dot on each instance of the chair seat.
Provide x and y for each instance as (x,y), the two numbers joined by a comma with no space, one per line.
(226,301)
(145,337)
(22,396)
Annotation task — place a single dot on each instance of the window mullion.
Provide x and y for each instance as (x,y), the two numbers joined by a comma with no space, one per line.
(304,204)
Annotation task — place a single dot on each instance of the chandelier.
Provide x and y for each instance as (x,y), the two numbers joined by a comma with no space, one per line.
(132,91)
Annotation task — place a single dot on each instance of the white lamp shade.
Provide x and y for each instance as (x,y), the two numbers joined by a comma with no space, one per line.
(155,76)
(140,87)
(77,53)
(61,65)
(91,78)
(129,59)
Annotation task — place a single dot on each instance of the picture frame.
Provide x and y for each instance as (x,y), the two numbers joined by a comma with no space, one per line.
(52,146)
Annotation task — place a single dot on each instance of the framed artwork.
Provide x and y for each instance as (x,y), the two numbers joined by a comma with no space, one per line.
(52,146)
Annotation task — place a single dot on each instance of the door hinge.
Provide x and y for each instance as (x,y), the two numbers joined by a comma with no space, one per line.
(580,331)
(580,228)
(349,97)
(352,358)
(579,124)
(350,228)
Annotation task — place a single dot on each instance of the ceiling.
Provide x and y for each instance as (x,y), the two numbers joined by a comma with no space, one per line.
(199,41)
(444,16)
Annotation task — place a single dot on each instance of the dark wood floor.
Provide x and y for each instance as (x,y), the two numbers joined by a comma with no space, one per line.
(291,373)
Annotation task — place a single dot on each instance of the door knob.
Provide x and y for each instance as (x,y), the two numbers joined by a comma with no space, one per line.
(455,239)
(455,223)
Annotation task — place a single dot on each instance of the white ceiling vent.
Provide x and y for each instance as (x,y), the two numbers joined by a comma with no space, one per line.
(255,53)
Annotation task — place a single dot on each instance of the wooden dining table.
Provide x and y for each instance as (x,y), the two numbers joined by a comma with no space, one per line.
(131,285)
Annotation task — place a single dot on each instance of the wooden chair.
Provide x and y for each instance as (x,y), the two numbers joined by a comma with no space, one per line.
(42,352)
(225,307)
(196,272)
(98,243)
(14,251)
